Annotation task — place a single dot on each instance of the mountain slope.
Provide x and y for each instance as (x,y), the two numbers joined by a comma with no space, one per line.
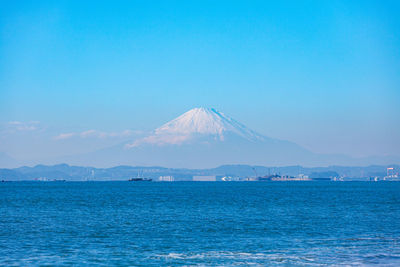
(7,162)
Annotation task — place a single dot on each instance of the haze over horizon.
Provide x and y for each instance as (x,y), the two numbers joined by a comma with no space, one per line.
(77,78)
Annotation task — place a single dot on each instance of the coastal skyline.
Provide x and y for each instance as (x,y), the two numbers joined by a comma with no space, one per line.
(76,77)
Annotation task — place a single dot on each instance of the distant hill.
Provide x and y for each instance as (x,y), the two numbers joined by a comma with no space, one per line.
(77,173)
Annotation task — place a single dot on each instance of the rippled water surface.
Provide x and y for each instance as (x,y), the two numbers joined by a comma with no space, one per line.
(209,223)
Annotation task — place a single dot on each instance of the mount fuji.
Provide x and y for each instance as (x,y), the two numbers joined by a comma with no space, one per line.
(206,138)
(201,138)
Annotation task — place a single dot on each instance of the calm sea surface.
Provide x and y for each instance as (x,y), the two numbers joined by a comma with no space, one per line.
(209,223)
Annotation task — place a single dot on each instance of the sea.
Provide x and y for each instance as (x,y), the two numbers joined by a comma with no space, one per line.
(200,223)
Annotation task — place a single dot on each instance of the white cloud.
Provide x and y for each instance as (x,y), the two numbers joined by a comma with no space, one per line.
(90,133)
(14,126)
(64,136)
(160,140)
(96,134)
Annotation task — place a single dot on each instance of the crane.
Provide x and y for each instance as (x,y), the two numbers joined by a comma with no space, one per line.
(254,169)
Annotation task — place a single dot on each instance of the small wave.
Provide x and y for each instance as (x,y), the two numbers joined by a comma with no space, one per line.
(240,257)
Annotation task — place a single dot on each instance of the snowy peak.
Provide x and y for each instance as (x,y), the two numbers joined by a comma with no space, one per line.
(198,122)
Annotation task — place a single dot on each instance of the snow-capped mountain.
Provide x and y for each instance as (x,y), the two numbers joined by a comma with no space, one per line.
(206,138)
(195,124)
(199,138)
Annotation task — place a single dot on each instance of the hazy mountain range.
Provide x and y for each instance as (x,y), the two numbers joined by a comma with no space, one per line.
(205,138)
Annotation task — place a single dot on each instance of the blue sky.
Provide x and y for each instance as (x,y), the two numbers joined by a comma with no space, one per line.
(324,74)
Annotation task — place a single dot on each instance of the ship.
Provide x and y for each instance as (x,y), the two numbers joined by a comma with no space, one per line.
(288,178)
(140,180)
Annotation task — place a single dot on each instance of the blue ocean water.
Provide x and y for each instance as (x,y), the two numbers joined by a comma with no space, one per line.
(199,223)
